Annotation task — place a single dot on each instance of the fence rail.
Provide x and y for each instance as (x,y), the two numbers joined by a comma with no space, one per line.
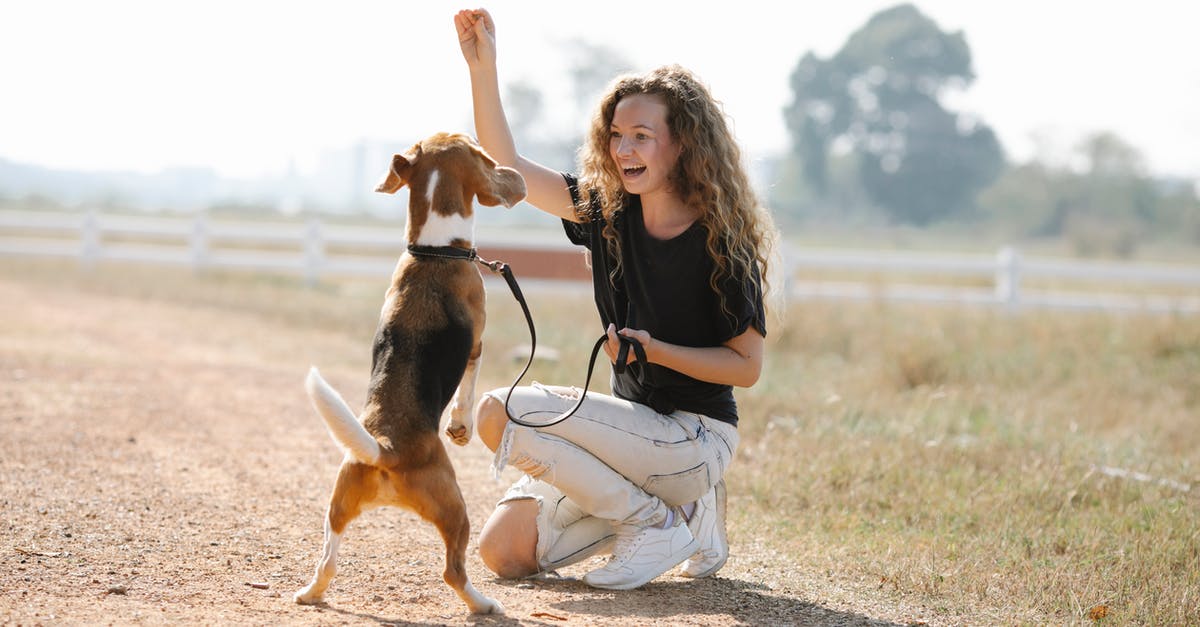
(315,249)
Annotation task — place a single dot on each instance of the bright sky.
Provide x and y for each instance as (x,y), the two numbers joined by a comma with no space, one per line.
(249,86)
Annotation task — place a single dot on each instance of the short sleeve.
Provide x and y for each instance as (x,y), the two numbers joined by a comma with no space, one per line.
(580,233)
(744,301)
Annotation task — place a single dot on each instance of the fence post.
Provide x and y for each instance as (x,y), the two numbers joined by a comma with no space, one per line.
(314,252)
(199,243)
(89,252)
(1008,277)
(789,272)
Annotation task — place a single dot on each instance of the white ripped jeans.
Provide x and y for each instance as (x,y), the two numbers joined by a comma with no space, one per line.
(614,460)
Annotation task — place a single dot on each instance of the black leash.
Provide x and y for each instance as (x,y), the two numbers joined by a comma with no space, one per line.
(503,269)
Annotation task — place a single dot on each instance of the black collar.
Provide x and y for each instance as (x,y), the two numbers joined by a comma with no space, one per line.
(444,252)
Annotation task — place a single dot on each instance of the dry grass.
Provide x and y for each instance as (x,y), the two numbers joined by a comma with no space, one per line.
(938,457)
(954,456)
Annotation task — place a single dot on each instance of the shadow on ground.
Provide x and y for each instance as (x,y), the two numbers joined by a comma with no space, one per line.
(714,598)
(745,602)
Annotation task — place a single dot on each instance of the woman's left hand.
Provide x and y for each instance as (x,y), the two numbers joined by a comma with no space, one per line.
(614,343)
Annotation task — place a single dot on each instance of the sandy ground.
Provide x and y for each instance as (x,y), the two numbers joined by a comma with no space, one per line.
(160,464)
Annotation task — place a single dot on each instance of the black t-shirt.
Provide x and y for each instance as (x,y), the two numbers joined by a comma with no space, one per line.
(667,282)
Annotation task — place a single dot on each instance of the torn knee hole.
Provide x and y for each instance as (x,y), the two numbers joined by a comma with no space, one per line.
(570,394)
(530,466)
(567,393)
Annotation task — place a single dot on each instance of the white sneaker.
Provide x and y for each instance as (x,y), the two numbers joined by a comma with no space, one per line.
(580,540)
(641,554)
(708,526)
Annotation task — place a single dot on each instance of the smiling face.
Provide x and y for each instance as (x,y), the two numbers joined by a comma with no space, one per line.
(641,145)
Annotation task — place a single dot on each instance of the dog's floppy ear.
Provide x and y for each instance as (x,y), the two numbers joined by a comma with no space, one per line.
(397,175)
(502,185)
(507,188)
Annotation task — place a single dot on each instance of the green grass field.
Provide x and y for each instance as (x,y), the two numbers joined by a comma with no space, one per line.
(964,459)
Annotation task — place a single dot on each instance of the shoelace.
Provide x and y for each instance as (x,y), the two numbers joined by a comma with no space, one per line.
(627,541)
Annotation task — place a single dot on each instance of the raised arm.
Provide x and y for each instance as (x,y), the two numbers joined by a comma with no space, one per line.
(546,188)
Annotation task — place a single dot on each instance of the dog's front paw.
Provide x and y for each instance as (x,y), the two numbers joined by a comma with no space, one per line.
(460,423)
(458,434)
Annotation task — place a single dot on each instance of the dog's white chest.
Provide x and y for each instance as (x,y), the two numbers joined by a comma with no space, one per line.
(439,229)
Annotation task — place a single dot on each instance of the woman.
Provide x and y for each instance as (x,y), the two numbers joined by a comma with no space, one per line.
(678,242)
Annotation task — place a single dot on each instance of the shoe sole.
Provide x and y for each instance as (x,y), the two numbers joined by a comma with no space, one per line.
(708,572)
(675,559)
(721,533)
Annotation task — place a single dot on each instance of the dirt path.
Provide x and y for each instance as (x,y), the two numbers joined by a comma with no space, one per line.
(160,464)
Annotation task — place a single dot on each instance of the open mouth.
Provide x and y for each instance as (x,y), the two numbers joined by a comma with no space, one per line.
(634,170)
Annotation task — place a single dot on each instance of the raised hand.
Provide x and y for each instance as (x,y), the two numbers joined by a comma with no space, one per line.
(476,36)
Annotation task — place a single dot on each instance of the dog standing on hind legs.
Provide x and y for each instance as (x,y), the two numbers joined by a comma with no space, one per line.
(425,361)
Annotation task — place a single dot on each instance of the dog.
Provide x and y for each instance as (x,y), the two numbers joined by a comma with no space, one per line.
(425,362)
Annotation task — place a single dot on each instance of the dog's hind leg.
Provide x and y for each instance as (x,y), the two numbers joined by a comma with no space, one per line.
(456,531)
(345,505)
(314,592)
(433,493)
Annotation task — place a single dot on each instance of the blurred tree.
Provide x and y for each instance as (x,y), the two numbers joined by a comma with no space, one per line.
(38,202)
(591,67)
(1104,205)
(1024,201)
(879,96)
(525,108)
(524,105)
(1104,154)
(1112,201)
(1179,211)
(816,119)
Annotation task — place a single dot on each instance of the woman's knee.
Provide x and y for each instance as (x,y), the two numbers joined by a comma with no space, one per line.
(508,540)
(490,420)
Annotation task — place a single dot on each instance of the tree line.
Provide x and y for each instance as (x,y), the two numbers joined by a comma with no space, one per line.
(871,140)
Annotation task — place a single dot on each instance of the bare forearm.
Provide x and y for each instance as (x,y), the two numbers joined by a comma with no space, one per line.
(735,362)
(717,364)
(491,125)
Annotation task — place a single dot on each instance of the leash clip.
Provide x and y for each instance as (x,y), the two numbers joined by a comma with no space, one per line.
(497,267)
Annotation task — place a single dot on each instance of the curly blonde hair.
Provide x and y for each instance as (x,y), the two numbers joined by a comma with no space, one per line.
(708,175)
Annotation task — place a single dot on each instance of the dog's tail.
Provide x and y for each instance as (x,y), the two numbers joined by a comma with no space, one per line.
(343,425)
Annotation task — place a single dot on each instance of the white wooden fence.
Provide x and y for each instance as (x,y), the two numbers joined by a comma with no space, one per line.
(315,249)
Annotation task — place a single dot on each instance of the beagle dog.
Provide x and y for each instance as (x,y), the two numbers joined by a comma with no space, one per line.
(425,361)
